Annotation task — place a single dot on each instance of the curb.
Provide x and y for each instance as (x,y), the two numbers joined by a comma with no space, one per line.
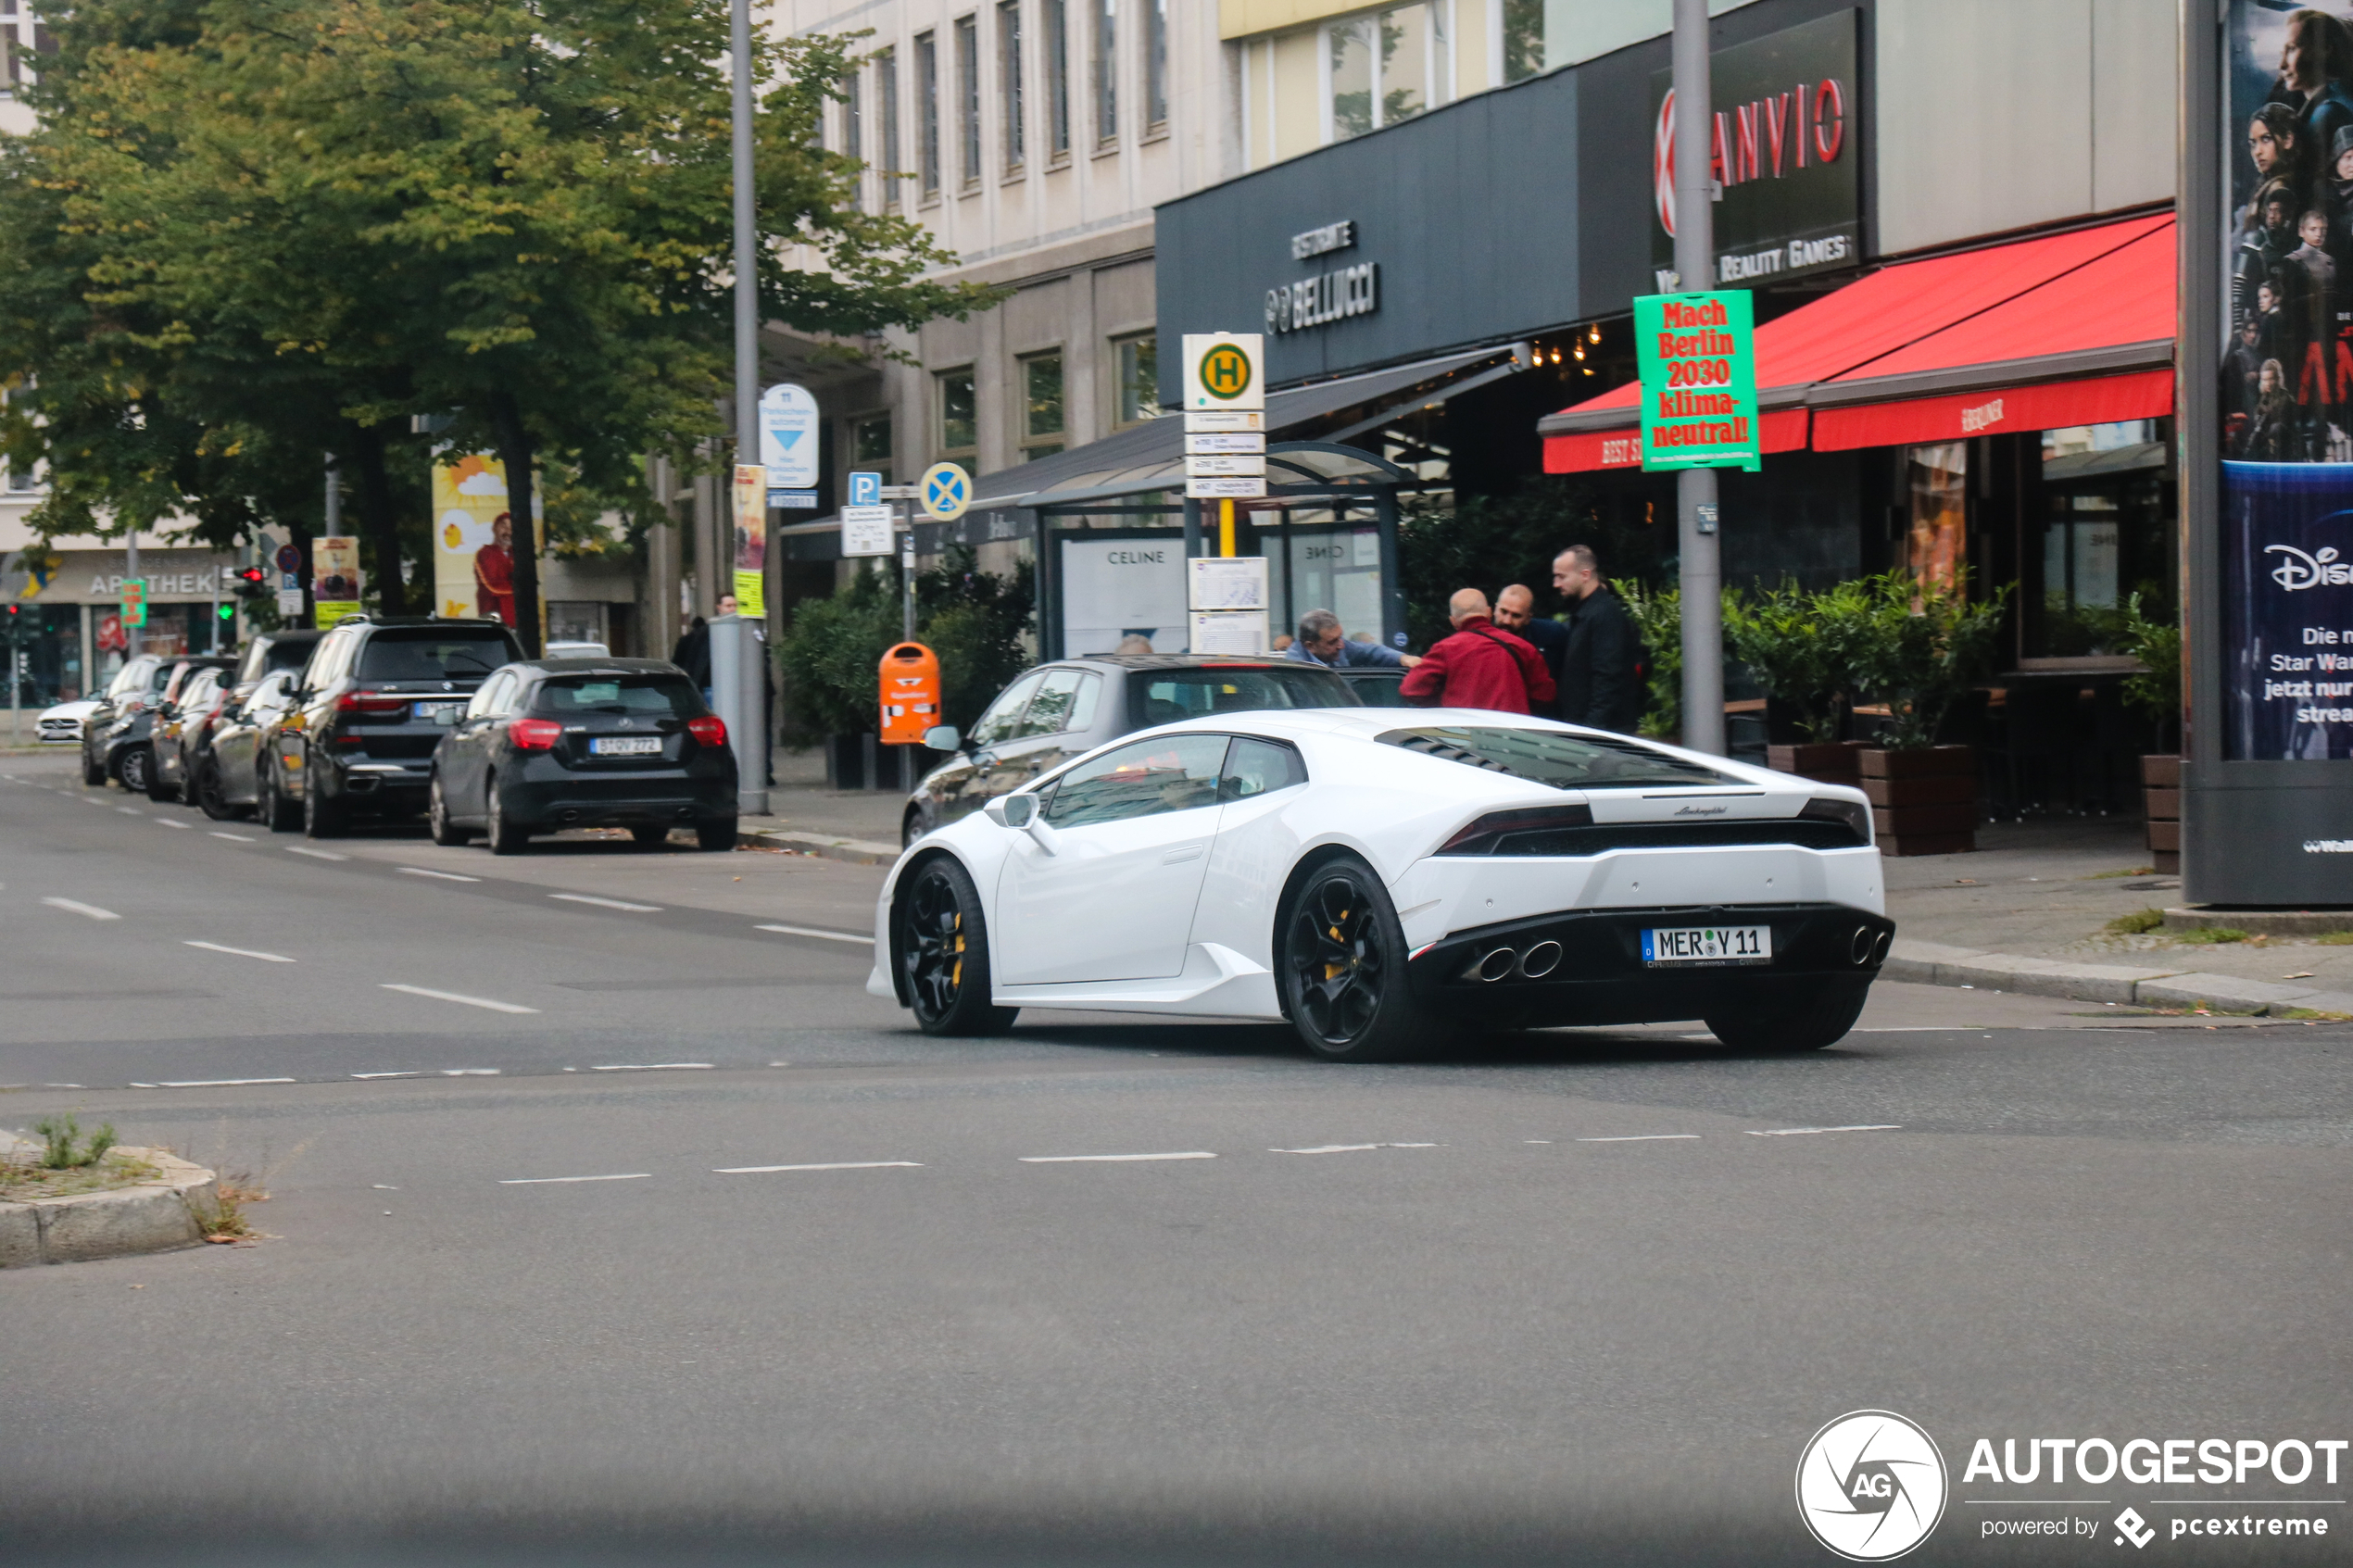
(1928,964)
(156,1216)
(854,851)
(2270,923)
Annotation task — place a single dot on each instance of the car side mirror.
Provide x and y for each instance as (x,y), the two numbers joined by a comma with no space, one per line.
(944,737)
(1015,811)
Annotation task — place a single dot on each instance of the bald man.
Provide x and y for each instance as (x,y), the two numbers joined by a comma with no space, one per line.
(1516,613)
(1479,666)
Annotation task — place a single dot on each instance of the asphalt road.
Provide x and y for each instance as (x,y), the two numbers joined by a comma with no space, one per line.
(708,1257)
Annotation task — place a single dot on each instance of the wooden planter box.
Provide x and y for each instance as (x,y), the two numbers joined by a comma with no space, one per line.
(1923,802)
(2161,801)
(1835,761)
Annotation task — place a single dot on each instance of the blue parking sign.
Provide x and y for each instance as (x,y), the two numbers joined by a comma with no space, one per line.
(865,489)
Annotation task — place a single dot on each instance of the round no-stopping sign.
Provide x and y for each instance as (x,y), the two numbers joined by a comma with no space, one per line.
(947,490)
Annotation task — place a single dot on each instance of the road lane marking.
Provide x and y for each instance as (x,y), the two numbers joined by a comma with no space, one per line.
(410,1073)
(315,854)
(649,1066)
(1639,1137)
(1803,1132)
(242,952)
(842,1165)
(454,996)
(235,837)
(169,823)
(468,1071)
(1350,1147)
(75,907)
(543,1180)
(128,812)
(446,876)
(214,1083)
(607,903)
(813,931)
(1107,1159)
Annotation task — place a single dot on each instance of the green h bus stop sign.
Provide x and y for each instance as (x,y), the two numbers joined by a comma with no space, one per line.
(1698,362)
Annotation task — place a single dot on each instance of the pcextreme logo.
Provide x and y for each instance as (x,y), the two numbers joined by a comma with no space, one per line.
(1870,1485)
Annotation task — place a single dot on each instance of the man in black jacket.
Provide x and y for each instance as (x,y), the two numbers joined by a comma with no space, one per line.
(1599,679)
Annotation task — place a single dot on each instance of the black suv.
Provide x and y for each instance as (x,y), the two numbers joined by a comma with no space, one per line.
(375,699)
(563,743)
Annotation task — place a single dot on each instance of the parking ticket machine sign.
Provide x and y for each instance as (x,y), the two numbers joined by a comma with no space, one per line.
(910,694)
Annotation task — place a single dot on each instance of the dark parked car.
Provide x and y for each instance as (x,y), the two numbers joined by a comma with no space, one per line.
(1074,705)
(272,651)
(374,700)
(229,777)
(126,751)
(138,683)
(182,729)
(1375,687)
(562,743)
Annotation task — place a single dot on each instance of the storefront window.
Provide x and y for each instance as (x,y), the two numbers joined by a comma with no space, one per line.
(1939,485)
(2105,533)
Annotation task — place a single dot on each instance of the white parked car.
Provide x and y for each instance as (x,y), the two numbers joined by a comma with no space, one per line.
(61,725)
(1380,876)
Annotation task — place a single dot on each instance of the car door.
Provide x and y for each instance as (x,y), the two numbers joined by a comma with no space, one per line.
(1104,889)
(464,777)
(232,743)
(962,786)
(1053,730)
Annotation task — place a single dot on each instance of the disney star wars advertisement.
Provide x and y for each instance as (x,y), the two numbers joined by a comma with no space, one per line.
(2287,382)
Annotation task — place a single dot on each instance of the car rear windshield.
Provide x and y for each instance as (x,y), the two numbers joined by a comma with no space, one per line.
(1172,694)
(287,653)
(428,653)
(660,697)
(1551,756)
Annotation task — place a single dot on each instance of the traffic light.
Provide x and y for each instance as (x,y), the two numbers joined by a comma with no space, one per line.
(228,612)
(252,582)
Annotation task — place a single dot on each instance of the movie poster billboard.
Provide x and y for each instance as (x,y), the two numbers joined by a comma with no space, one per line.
(473,539)
(2287,400)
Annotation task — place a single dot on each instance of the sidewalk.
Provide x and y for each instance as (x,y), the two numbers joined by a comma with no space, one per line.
(857,825)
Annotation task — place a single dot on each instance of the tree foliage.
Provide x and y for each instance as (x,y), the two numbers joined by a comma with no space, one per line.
(973,619)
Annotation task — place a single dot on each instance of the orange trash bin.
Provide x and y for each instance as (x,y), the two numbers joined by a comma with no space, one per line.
(910,694)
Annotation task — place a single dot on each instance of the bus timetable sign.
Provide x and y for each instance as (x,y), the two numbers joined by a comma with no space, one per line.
(1698,354)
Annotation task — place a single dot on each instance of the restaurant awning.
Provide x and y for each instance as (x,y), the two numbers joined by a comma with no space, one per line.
(2068,329)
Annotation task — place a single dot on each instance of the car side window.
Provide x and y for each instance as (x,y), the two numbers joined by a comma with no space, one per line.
(1083,705)
(486,701)
(1259,766)
(1004,718)
(1167,774)
(1049,710)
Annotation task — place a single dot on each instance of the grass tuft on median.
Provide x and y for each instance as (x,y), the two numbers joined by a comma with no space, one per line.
(2136,922)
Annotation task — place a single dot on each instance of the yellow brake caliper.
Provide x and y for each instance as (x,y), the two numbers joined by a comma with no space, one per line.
(956,975)
(1333,970)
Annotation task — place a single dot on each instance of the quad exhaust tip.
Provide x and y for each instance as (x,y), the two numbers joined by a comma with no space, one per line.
(1497,964)
(1541,959)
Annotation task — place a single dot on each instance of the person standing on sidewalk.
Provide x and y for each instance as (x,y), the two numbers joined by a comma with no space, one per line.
(1516,613)
(1601,666)
(1479,666)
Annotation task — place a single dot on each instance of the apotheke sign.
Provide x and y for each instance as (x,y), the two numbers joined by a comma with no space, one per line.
(1327,297)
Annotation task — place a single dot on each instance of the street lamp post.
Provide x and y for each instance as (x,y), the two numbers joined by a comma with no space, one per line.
(751,750)
(1697,541)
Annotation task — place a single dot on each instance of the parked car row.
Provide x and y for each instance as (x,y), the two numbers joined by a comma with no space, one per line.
(390,720)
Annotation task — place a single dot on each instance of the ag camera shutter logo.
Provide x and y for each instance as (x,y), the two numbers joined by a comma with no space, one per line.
(1871,1485)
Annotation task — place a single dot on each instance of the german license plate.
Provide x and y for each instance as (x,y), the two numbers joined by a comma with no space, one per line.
(430,713)
(1696,946)
(625,746)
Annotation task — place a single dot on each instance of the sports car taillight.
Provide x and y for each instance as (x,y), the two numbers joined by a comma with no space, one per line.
(1853,813)
(534,735)
(1481,837)
(708,730)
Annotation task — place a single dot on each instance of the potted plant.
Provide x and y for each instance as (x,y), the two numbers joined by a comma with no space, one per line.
(1800,646)
(1922,646)
(2156,691)
(1659,616)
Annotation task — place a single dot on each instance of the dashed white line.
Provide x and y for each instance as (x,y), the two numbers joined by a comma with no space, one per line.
(410,1073)
(468,1071)
(213,1082)
(544,1181)
(1107,1159)
(236,837)
(1350,1147)
(315,854)
(1803,1132)
(650,1066)
(840,1165)
(169,823)
(241,952)
(75,907)
(1639,1137)
(128,812)
(446,876)
(813,931)
(607,903)
(454,996)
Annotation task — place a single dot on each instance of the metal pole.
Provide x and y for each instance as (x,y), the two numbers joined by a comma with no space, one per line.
(907,583)
(132,635)
(751,784)
(1703,568)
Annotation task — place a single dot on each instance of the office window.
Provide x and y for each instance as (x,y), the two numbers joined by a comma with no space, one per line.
(1139,378)
(1106,69)
(1042,404)
(887,100)
(1010,101)
(1155,63)
(869,442)
(1523,39)
(927,111)
(854,126)
(1057,79)
(959,415)
(968,100)
(1385,68)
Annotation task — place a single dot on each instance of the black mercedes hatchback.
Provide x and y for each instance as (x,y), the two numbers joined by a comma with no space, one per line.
(562,743)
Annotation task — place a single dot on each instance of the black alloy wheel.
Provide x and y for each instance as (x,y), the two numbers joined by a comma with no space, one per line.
(507,836)
(1802,1023)
(715,836)
(447,834)
(321,818)
(138,766)
(942,948)
(1344,968)
(92,773)
(209,793)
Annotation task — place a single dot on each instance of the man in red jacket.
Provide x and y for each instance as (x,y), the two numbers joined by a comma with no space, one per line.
(1480,666)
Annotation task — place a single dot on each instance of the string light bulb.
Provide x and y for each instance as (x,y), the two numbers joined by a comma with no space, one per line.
(1594,332)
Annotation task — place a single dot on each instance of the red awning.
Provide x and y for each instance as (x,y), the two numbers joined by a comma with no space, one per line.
(1927,346)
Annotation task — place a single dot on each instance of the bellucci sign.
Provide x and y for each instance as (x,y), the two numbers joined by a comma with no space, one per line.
(1696,352)
(1327,297)
(1783,147)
